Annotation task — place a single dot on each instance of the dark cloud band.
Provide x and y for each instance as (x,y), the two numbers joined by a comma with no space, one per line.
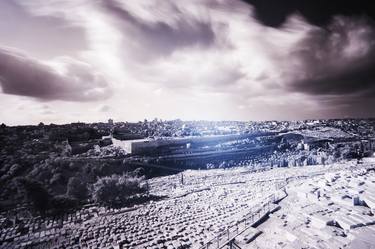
(21,75)
(318,12)
(339,60)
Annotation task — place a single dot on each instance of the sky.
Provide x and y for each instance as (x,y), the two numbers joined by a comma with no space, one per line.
(65,61)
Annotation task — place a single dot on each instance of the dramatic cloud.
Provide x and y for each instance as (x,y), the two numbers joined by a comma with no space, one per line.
(199,59)
(62,79)
(318,12)
(160,35)
(339,60)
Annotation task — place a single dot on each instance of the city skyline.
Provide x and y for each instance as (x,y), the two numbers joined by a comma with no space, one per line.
(64,61)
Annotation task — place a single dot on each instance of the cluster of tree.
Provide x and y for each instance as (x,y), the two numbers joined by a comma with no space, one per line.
(41,200)
(112,190)
(74,134)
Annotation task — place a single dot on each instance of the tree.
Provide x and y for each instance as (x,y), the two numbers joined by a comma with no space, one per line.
(337,154)
(105,190)
(61,204)
(139,171)
(76,188)
(116,189)
(35,193)
(57,178)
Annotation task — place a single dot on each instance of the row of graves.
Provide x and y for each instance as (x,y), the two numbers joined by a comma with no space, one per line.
(333,210)
(195,210)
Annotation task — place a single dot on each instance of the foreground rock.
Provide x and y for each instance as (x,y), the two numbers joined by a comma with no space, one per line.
(333,210)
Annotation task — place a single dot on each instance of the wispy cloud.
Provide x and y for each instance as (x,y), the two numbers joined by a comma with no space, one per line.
(221,51)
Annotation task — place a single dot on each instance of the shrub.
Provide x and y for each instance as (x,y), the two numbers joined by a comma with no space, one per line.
(35,193)
(76,188)
(62,204)
(117,189)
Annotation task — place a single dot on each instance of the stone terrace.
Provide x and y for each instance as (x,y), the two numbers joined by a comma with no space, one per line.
(192,213)
(334,210)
